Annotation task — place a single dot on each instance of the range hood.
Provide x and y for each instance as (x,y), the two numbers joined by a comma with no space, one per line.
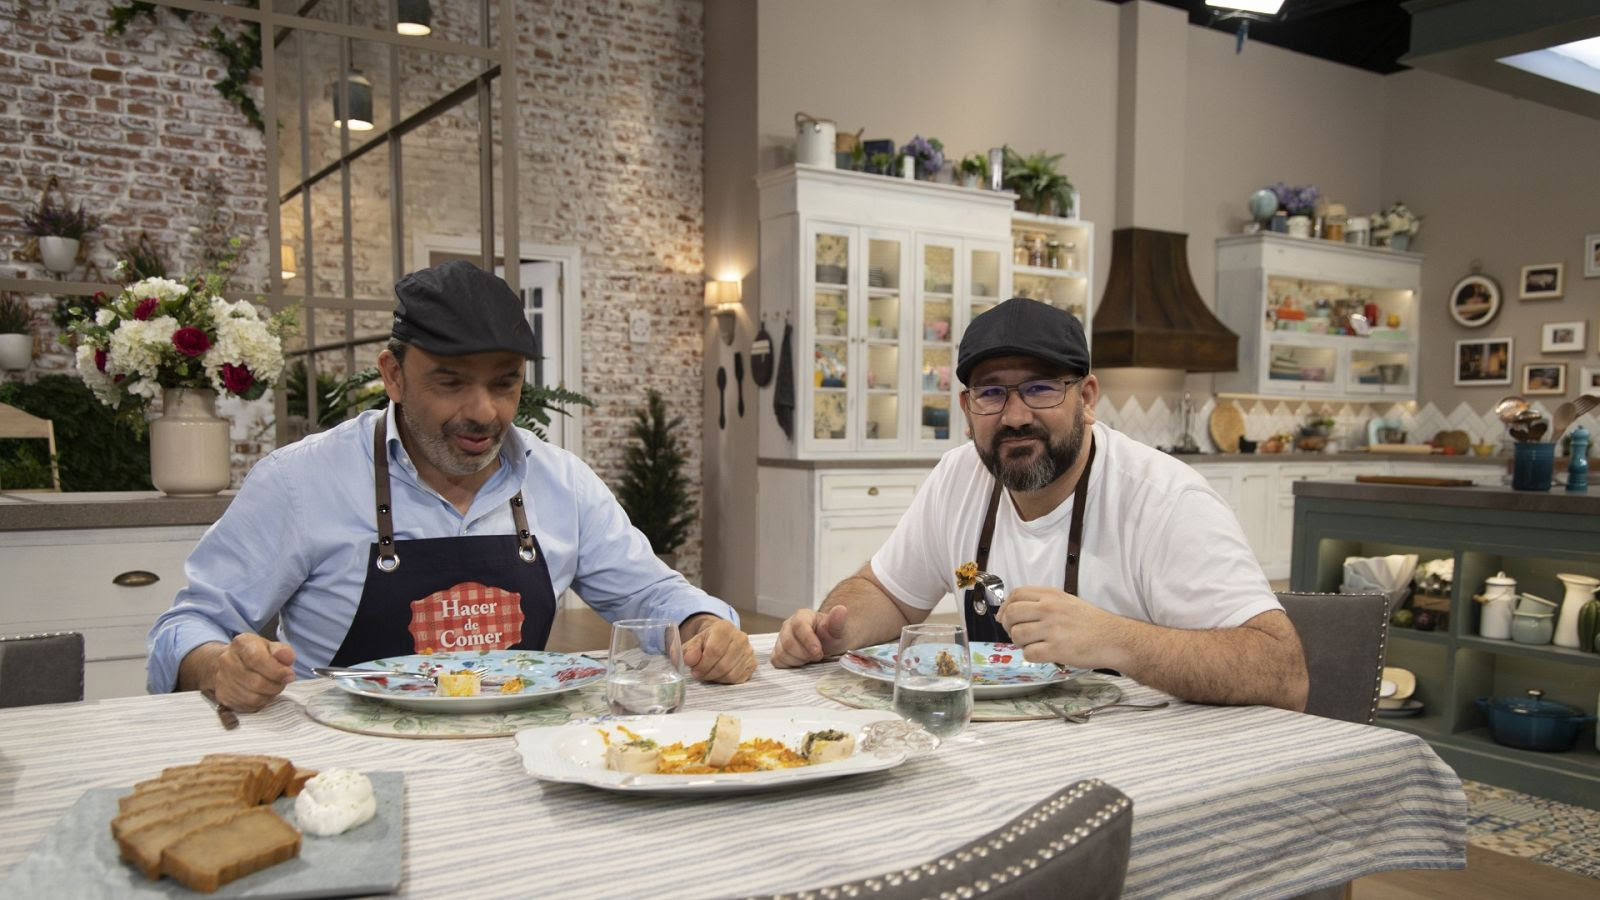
(1151,315)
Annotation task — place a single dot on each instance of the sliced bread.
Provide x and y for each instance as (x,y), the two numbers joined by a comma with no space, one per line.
(251,840)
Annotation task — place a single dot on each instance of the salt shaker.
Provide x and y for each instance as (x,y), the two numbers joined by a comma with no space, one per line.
(1578,462)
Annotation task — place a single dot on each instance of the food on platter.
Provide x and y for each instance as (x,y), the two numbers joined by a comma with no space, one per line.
(208,823)
(820,747)
(465,683)
(966,574)
(723,741)
(640,755)
(944,664)
(513,685)
(335,802)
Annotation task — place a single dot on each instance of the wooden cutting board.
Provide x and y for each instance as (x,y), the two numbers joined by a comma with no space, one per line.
(1226,426)
(1399,448)
(1414,479)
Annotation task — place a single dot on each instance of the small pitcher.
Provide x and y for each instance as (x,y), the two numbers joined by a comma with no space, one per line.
(1498,597)
(1579,590)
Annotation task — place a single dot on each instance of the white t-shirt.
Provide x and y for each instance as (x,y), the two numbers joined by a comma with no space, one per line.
(1159,545)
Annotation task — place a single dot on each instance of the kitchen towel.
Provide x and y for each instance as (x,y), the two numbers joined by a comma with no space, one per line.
(783,394)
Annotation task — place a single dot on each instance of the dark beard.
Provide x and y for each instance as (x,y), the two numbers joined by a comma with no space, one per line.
(1056,460)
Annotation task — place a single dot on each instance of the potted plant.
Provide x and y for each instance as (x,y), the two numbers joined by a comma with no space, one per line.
(16,332)
(654,490)
(927,154)
(973,169)
(880,164)
(1039,187)
(59,230)
(1395,227)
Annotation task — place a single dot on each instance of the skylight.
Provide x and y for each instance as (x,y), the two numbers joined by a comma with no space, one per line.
(1577,63)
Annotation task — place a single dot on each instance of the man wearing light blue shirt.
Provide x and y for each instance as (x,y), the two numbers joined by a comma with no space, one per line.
(433,524)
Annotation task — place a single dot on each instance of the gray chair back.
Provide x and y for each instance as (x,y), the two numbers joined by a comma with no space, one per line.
(41,668)
(1344,636)
(1073,843)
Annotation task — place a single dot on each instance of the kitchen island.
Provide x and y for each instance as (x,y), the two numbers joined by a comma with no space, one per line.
(103,564)
(1530,536)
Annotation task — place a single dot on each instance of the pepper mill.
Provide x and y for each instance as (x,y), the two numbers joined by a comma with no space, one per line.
(1578,462)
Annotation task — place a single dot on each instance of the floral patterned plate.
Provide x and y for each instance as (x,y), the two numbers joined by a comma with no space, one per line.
(998,670)
(541,675)
(576,752)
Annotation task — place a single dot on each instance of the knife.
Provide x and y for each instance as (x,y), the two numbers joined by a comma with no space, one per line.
(230,719)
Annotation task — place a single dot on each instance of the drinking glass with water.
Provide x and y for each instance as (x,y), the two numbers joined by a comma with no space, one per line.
(645,673)
(933,678)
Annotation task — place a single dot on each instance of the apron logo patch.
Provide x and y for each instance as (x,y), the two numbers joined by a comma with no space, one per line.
(468,616)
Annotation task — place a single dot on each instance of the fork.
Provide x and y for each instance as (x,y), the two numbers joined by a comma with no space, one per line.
(993,588)
(1082,716)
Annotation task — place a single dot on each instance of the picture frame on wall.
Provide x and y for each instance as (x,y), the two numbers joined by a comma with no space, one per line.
(1541,281)
(1591,255)
(1544,378)
(1474,301)
(1589,379)
(1483,362)
(1563,337)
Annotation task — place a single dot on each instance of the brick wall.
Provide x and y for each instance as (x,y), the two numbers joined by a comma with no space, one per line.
(611,163)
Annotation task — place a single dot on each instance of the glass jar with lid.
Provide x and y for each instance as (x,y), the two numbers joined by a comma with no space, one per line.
(1019,251)
(1053,254)
(1036,250)
(1069,256)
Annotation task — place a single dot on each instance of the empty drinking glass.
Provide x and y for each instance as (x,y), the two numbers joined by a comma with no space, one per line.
(933,678)
(645,673)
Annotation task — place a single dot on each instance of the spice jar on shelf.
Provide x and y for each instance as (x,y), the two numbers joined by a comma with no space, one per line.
(1333,224)
(1053,254)
(1036,250)
(1069,256)
(1019,251)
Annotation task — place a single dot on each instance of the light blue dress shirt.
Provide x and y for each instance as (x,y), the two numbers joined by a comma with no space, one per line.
(296,539)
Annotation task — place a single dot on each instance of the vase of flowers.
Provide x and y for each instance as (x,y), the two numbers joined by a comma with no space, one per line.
(1300,203)
(58,229)
(187,344)
(1395,227)
(927,155)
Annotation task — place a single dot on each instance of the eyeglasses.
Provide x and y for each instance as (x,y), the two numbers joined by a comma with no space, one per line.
(1042,393)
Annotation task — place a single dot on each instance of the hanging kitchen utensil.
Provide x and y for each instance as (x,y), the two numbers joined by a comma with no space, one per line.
(1508,407)
(1570,411)
(722,395)
(783,393)
(761,358)
(738,379)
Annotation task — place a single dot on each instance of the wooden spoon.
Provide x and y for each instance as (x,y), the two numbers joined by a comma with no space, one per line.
(1571,411)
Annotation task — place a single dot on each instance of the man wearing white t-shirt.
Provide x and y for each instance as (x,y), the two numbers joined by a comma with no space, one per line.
(1116,555)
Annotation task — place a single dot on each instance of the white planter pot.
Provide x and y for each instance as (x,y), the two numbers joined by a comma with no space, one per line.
(16,351)
(189,444)
(60,254)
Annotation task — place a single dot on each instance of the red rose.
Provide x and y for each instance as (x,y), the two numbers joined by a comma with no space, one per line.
(237,378)
(145,308)
(191,341)
(100,360)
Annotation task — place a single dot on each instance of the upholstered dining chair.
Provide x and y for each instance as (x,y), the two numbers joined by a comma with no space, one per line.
(41,668)
(1344,636)
(1073,843)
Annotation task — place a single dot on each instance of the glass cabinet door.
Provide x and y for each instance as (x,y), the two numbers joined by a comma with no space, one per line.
(830,335)
(880,343)
(985,287)
(935,369)
(1381,371)
(1298,367)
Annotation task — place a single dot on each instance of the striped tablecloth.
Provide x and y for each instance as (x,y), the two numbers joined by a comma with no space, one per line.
(1237,802)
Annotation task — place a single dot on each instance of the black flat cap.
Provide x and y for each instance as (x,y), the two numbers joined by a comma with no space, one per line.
(1024,327)
(456,308)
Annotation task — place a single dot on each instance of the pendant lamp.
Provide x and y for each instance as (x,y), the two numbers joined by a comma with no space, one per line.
(414,18)
(360,90)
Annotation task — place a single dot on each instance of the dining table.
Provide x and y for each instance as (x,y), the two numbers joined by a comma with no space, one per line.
(1243,801)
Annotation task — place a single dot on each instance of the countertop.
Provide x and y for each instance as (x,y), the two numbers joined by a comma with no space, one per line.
(1499,499)
(46,510)
(1191,458)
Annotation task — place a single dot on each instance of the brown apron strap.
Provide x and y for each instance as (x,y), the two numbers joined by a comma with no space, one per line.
(1080,499)
(388,559)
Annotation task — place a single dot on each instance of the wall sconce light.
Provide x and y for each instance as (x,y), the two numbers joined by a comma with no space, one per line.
(360,89)
(414,18)
(722,301)
(286,260)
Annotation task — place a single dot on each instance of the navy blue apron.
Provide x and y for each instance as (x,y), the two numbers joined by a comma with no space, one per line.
(482,592)
(981,623)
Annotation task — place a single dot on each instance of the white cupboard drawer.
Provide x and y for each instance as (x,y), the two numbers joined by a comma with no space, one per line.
(62,581)
(869,491)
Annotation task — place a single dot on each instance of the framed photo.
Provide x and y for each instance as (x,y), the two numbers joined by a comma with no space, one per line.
(1541,282)
(1563,337)
(1544,378)
(1474,301)
(1589,380)
(1591,256)
(1483,362)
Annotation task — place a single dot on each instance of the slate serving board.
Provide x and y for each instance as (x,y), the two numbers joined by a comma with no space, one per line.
(78,858)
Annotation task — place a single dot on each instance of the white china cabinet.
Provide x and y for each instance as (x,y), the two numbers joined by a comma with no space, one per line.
(1320,319)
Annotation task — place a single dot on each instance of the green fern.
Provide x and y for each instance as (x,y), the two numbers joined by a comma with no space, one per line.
(654,490)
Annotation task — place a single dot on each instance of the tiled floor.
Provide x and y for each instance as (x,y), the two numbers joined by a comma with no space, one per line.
(1533,828)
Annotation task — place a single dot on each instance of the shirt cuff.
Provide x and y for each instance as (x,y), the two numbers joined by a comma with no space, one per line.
(169,648)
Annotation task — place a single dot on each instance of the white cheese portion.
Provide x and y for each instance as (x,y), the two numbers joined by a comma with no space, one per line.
(334,802)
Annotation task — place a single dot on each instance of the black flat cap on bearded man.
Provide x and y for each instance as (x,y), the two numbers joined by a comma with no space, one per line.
(1024,327)
(456,308)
